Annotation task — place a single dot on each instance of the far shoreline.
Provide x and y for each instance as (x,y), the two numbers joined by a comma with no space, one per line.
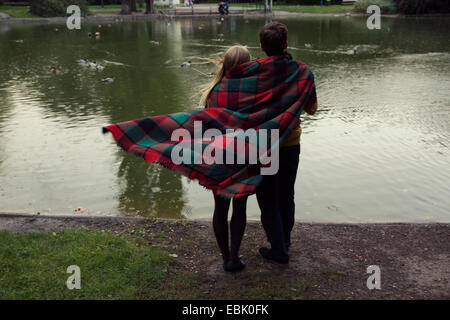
(108,17)
(149,17)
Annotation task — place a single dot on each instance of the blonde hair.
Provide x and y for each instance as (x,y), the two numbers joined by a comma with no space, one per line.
(233,57)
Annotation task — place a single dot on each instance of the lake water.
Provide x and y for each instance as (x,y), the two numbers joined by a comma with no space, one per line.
(377,150)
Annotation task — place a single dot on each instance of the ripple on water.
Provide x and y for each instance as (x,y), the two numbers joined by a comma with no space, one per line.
(377,150)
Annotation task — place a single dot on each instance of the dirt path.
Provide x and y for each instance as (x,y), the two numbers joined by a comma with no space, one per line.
(327,261)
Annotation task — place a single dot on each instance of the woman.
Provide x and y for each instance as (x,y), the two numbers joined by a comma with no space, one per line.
(234,56)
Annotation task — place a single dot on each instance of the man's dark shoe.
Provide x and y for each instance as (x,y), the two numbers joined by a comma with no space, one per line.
(267,254)
(234,266)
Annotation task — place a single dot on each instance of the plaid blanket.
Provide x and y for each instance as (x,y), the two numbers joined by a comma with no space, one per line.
(268,93)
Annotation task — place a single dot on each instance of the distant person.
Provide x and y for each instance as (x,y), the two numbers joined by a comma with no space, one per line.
(234,56)
(221,8)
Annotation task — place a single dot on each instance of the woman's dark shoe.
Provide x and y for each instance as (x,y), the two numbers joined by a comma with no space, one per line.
(234,266)
(267,254)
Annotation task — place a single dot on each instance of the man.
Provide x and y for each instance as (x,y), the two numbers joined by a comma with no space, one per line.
(275,194)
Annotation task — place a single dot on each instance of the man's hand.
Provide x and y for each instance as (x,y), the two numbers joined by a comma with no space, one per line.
(311,109)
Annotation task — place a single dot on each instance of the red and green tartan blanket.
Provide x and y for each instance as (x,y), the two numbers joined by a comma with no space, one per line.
(268,93)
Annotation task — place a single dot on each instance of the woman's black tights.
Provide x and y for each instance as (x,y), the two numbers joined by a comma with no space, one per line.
(237,225)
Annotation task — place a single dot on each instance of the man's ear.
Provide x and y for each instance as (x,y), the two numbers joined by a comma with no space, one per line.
(260,46)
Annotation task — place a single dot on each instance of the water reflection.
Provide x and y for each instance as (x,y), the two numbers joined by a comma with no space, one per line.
(149,190)
(376,151)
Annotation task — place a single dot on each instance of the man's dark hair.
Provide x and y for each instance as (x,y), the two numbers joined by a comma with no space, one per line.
(273,38)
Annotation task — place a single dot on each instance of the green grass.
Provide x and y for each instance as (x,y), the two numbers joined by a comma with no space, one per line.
(117,7)
(23,11)
(129,264)
(386,6)
(17,11)
(110,7)
(33,266)
(303,8)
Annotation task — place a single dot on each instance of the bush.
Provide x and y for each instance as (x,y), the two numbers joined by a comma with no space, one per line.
(423,6)
(386,6)
(56,8)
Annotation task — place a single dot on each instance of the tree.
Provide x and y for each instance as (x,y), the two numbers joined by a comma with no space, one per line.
(125,7)
(128,6)
(133,6)
(149,6)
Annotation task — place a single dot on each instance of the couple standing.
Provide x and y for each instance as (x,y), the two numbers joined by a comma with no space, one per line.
(275,193)
(263,95)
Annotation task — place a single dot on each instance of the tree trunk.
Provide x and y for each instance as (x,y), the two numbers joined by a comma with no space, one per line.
(149,6)
(125,7)
(133,6)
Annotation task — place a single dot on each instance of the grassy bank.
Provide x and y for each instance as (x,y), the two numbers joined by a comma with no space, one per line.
(303,8)
(117,8)
(126,264)
(107,8)
(140,258)
(33,266)
(24,11)
(17,11)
